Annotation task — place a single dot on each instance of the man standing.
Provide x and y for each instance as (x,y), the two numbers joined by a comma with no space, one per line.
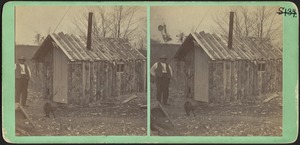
(22,75)
(162,72)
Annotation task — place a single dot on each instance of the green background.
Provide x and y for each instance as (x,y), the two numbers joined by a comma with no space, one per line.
(290,81)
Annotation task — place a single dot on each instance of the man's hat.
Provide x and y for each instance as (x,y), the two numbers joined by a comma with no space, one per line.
(22,58)
(163,57)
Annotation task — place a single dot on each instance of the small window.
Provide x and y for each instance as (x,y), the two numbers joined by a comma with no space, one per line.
(261,66)
(120,67)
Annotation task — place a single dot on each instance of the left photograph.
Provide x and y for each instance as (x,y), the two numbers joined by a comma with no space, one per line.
(80,70)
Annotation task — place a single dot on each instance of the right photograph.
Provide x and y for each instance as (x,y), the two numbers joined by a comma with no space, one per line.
(216,71)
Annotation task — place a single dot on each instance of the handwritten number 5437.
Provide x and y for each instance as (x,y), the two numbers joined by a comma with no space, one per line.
(288,12)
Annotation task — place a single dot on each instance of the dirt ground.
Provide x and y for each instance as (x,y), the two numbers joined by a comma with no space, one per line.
(95,119)
(98,119)
(242,119)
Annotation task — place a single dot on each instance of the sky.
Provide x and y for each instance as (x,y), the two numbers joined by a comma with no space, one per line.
(183,19)
(31,20)
(186,19)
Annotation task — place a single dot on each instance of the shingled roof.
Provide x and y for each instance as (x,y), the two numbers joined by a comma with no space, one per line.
(215,46)
(74,48)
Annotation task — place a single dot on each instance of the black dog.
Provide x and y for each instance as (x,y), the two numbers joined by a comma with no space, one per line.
(188,107)
(48,108)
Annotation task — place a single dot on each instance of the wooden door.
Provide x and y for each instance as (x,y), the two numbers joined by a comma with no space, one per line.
(201,75)
(60,77)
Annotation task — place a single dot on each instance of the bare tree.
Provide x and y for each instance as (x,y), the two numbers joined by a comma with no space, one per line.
(141,34)
(181,37)
(123,25)
(100,22)
(266,23)
(114,22)
(38,39)
(260,22)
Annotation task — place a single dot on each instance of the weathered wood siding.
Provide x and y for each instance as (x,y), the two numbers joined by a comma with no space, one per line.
(216,80)
(252,68)
(75,83)
(92,81)
(234,81)
(231,81)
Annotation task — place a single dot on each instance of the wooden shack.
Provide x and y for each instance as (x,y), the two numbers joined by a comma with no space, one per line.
(77,75)
(215,73)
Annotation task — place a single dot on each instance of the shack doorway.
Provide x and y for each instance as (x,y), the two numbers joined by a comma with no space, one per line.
(59,77)
(201,75)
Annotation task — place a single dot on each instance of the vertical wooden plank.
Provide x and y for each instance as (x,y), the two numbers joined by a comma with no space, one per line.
(216,97)
(124,87)
(225,80)
(247,85)
(91,76)
(210,83)
(88,82)
(269,67)
(111,82)
(118,83)
(69,70)
(234,78)
(220,86)
(106,79)
(100,74)
(240,75)
(133,85)
(60,77)
(138,75)
(97,81)
(201,75)
(84,83)
(258,81)
(44,80)
(214,82)
(114,80)
(70,83)
(218,82)
(64,78)
(251,79)
(263,81)
(93,81)
(74,84)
